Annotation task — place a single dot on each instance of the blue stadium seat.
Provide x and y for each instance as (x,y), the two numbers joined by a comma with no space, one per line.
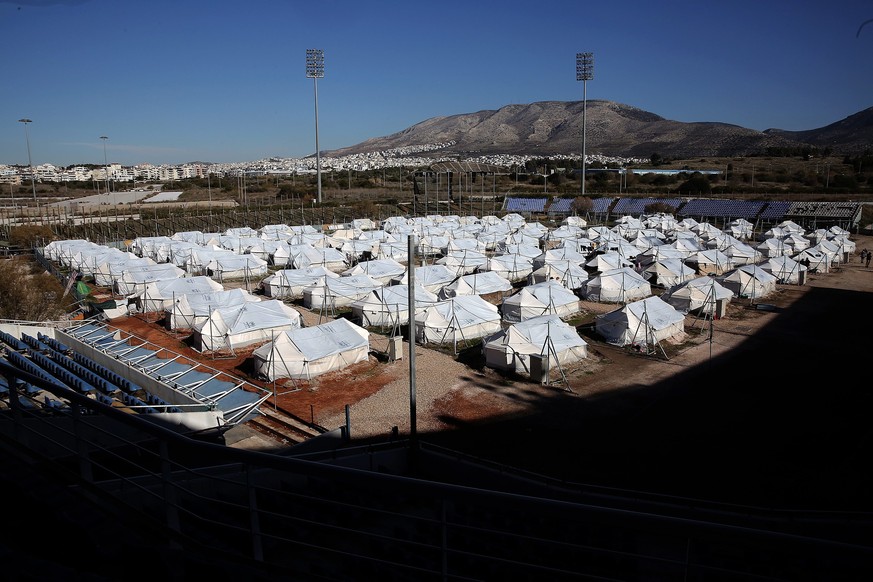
(525,204)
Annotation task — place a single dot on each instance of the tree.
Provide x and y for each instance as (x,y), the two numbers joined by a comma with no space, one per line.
(30,235)
(658,207)
(29,295)
(582,205)
(696,184)
(656,159)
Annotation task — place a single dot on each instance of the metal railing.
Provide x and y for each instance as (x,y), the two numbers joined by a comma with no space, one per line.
(373,512)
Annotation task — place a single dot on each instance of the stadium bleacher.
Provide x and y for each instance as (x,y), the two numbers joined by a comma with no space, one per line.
(602,205)
(775,211)
(637,206)
(525,204)
(561,206)
(704,208)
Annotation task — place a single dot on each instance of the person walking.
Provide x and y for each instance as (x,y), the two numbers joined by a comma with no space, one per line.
(868,259)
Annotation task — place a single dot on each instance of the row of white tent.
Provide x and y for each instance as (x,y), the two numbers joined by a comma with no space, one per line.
(449,304)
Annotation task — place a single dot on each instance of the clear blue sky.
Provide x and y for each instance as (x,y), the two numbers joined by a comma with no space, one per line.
(224,81)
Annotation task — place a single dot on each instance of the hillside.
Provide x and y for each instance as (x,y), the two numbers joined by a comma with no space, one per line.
(613,129)
(852,134)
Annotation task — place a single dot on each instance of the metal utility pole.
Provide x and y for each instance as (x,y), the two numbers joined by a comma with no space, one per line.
(105,166)
(315,71)
(410,280)
(584,73)
(25,121)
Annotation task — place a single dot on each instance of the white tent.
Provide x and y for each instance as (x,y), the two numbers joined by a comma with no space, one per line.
(398,251)
(785,269)
(235,266)
(667,272)
(431,277)
(60,251)
(548,297)
(664,251)
(333,292)
(463,262)
(306,255)
(389,306)
(641,323)
(463,318)
(134,279)
(107,272)
(484,283)
(741,229)
(245,324)
(570,275)
(773,247)
(618,286)
(152,296)
(311,351)
(512,267)
(188,310)
(607,262)
(815,259)
(711,261)
(576,221)
(148,246)
(548,335)
(382,270)
(701,294)
(86,260)
(289,283)
(526,250)
(559,255)
(750,281)
(796,243)
(358,249)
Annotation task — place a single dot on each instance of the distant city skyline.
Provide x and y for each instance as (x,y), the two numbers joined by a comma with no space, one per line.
(171,83)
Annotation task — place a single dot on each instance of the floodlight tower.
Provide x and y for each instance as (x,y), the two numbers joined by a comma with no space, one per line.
(584,73)
(315,71)
(25,121)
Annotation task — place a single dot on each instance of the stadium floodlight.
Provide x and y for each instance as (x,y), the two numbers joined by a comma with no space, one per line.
(584,73)
(105,165)
(315,71)
(25,121)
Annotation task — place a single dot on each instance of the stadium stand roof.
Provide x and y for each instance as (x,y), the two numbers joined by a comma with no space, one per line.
(748,209)
(844,210)
(198,381)
(602,205)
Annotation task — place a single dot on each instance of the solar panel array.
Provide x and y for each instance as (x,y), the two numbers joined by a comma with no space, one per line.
(525,204)
(748,209)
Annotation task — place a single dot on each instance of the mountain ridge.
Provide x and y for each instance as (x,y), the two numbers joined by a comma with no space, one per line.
(614,129)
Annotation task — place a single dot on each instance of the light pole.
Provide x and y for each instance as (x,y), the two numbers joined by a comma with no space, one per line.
(105,166)
(315,71)
(25,121)
(584,73)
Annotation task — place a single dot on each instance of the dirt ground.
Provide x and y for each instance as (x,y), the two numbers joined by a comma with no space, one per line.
(762,407)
